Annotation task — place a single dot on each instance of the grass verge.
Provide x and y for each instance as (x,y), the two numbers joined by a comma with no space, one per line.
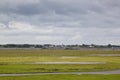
(64,77)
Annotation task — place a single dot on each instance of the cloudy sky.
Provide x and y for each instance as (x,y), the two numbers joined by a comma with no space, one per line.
(60,21)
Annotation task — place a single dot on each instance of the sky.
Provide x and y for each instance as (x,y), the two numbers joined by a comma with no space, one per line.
(60,22)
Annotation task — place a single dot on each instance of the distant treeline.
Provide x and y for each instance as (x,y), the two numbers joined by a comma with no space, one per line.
(51,46)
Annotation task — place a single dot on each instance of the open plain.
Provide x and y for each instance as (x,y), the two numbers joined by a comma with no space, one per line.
(25,64)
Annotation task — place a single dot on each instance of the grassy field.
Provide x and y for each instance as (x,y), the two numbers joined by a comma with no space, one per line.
(59,59)
(64,77)
(25,52)
(23,68)
(22,61)
(19,61)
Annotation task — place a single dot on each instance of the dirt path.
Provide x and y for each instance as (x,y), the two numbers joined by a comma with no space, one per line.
(78,73)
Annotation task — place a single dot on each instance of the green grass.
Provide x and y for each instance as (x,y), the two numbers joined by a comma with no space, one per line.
(33,68)
(59,59)
(24,53)
(14,61)
(64,77)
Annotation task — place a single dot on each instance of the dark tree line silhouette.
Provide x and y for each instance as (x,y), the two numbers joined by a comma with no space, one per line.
(50,46)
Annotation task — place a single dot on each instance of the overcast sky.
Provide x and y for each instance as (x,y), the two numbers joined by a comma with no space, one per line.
(60,21)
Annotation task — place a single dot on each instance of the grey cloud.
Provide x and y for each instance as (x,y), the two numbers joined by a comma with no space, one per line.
(44,6)
(59,7)
(87,21)
(89,13)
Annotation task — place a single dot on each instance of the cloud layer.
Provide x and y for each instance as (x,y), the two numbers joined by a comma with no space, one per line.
(60,21)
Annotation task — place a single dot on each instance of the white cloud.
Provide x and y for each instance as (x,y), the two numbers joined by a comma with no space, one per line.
(19,26)
(76,37)
(2,26)
(49,38)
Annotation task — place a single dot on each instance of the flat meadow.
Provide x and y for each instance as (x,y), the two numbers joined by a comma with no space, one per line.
(25,61)
(63,77)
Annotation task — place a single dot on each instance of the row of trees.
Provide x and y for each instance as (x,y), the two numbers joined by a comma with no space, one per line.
(50,46)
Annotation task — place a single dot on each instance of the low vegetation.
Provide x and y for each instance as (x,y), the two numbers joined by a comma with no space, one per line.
(64,77)
(25,68)
(25,52)
(22,61)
